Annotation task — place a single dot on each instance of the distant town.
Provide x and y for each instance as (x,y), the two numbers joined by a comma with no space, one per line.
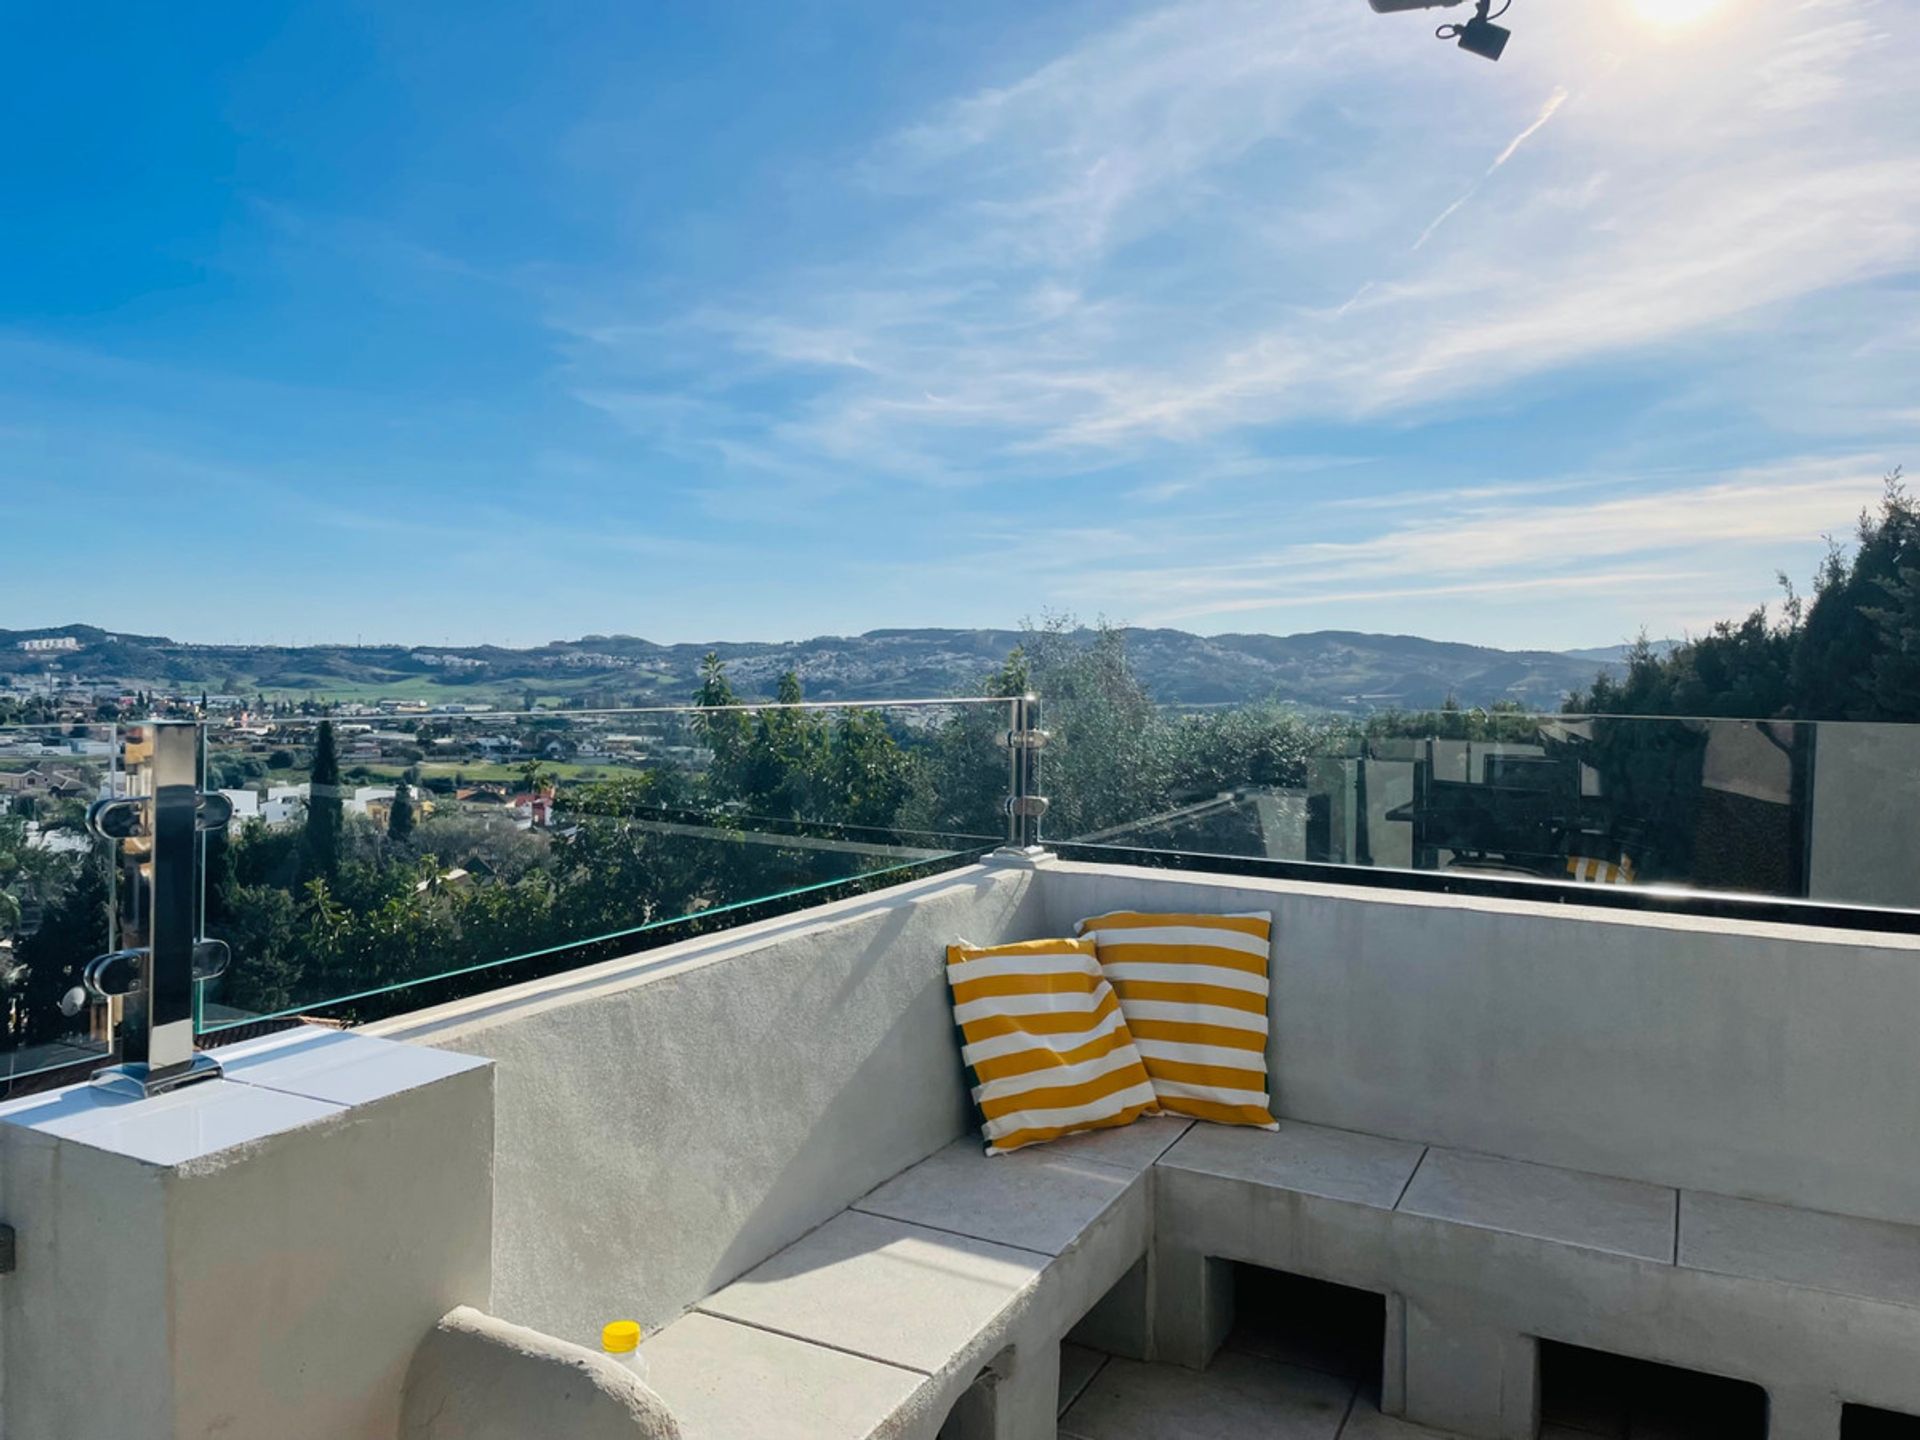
(57,752)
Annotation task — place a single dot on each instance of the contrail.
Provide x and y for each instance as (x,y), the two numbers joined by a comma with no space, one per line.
(1441,218)
(1554,102)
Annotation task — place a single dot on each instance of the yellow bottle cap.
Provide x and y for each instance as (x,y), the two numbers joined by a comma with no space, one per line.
(620,1337)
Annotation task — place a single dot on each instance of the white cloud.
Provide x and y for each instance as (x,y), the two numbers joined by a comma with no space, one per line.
(1695,544)
(1492,536)
(1147,240)
(1666,584)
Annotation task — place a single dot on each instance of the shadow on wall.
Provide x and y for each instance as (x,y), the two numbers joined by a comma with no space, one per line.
(664,1126)
(917,1041)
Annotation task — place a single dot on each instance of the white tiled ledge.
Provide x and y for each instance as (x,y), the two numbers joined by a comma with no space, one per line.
(283,1082)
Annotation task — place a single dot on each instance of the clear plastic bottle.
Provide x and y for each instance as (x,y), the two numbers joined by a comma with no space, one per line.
(620,1340)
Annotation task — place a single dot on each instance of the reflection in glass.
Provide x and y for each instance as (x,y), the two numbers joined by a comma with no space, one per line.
(1776,808)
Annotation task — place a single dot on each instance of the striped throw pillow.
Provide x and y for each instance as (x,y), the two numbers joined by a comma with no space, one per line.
(1044,1039)
(1194,991)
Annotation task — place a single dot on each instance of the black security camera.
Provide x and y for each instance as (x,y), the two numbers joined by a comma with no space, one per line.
(1478,36)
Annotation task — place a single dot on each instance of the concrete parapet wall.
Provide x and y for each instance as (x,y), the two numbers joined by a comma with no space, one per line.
(667,1121)
(257,1255)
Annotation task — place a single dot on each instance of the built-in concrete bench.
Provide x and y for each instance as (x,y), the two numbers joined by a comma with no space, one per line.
(1479,1258)
(763,1202)
(934,1305)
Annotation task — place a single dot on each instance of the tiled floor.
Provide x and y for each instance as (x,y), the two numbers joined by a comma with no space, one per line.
(1240,1395)
(1246,1395)
(1269,1384)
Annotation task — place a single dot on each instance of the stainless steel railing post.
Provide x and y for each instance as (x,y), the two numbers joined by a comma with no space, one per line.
(1025,804)
(158,826)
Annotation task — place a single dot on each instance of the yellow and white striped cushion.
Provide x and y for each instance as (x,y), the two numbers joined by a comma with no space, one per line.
(1194,991)
(1044,1038)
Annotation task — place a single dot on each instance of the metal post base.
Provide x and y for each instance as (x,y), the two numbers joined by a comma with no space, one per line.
(142,1081)
(1028,855)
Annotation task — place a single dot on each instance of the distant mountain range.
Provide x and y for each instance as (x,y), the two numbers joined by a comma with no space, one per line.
(1325,669)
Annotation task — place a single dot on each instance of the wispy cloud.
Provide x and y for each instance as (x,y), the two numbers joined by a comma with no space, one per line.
(1692,544)
(1665,583)
(1145,242)
(1497,545)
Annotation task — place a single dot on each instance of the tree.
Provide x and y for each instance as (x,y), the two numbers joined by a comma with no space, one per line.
(781,771)
(1853,653)
(13,851)
(867,773)
(1843,636)
(400,816)
(74,932)
(27,871)
(262,925)
(725,735)
(1893,678)
(324,808)
(1109,760)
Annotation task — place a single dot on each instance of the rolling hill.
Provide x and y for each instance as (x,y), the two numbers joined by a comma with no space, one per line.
(1326,669)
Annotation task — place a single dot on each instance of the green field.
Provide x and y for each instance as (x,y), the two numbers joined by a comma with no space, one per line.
(474,772)
(482,770)
(506,695)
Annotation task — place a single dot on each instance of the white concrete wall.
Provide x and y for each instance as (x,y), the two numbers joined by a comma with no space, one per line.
(669,1120)
(1769,1061)
(258,1255)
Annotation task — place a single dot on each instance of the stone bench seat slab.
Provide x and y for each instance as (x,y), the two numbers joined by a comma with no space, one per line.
(725,1381)
(1842,1254)
(1310,1159)
(883,1289)
(1544,1202)
(1041,1199)
(1132,1147)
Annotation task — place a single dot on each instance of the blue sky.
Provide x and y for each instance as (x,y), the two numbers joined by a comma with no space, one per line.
(490,322)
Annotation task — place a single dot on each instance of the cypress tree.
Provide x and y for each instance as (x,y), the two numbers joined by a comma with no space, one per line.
(324,808)
(400,818)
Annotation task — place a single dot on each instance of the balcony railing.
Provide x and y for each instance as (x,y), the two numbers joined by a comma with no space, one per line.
(357,865)
(1704,814)
(373,863)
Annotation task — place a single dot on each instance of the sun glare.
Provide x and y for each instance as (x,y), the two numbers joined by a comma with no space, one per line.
(1674,14)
